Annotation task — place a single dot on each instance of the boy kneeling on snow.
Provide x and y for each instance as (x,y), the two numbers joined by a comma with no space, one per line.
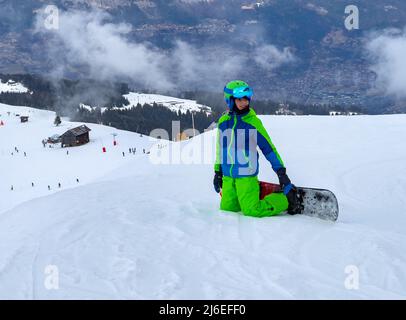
(239,133)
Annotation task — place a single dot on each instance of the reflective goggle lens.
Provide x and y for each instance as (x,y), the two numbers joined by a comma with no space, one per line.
(242,92)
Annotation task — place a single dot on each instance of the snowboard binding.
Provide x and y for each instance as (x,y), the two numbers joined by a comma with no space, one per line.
(296,202)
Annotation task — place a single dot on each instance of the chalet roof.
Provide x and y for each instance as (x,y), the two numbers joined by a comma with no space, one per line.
(55,137)
(78,131)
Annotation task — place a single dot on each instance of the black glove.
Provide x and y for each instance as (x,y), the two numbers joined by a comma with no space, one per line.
(284,181)
(295,201)
(218,181)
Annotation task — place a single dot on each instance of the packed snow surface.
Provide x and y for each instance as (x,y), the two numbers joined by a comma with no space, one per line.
(125,227)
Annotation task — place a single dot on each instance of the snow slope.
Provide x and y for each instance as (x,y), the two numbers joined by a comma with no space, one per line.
(50,166)
(11,86)
(132,229)
(172,103)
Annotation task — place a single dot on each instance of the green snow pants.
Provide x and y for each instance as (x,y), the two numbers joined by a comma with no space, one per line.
(242,194)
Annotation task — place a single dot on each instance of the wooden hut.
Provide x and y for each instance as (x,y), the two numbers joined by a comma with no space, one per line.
(75,137)
(24,119)
(181,137)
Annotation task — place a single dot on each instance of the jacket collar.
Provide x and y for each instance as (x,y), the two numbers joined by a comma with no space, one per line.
(249,113)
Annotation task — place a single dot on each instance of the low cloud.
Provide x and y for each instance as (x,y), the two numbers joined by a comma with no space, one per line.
(387,52)
(270,57)
(210,65)
(101,49)
(89,40)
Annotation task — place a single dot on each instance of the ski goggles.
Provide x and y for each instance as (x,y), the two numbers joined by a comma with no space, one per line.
(240,92)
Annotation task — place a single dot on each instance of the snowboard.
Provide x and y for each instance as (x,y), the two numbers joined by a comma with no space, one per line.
(319,203)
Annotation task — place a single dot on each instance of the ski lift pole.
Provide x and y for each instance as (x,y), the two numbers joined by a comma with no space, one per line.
(193,123)
(114,138)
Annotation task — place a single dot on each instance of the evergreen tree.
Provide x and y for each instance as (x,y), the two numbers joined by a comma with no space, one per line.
(57,120)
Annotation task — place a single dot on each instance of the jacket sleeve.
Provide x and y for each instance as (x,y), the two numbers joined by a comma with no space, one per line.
(268,148)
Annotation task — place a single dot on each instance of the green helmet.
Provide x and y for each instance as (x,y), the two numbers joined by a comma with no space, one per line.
(236,89)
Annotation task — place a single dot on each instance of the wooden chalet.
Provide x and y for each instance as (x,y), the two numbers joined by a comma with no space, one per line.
(75,137)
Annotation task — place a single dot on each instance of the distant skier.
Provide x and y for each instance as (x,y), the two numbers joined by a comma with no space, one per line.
(239,134)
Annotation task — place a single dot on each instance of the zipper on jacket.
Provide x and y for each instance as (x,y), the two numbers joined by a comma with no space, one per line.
(231,143)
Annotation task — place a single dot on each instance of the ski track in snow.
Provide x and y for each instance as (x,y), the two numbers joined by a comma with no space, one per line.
(134,230)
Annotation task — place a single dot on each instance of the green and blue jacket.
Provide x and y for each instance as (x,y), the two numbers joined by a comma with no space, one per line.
(238,137)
